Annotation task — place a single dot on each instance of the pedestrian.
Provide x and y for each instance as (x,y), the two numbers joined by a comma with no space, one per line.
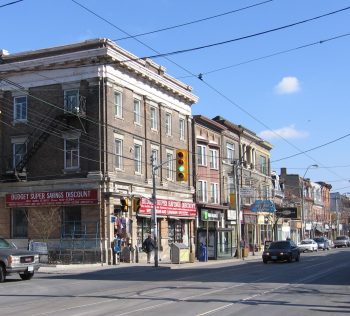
(148,246)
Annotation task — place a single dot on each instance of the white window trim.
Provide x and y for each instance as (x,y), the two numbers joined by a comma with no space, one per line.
(202,156)
(120,156)
(116,114)
(182,135)
(170,166)
(204,185)
(139,116)
(65,153)
(139,162)
(157,162)
(214,194)
(168,124)
(228,148)
(156,123)
(214,159)
(77,107)
(15,109)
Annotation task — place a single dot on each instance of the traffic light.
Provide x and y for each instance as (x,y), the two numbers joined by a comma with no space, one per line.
(137,204)
(124,202)
(181,165)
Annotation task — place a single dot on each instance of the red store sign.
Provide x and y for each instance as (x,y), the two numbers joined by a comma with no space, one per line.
(72,197)
(168,208)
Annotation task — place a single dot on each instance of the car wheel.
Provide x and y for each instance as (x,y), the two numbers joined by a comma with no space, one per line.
(297,259)
(26,275)
(290,258)
(265,261)
(2,274)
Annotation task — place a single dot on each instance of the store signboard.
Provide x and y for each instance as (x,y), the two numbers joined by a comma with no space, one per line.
(266,206)
(247,191)
(71,197)
(168,208)
(287,212)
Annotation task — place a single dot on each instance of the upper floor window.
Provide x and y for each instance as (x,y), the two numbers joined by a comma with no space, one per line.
(138,158)
(154,118)
(182,129)
(214,158)
(119,154)
(214,190)
(71,153)
(137,111)
(155,155)
(170,166)
(71,101)
(118,104)
(263,166)
(19,150)
(20,108)
(202,191)
(201,155)
(230,152)
(168,126)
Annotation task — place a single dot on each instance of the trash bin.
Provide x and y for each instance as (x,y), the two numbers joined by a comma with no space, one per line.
(203,253)
(179,253)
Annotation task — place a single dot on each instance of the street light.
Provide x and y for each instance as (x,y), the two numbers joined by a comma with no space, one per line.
(302,231)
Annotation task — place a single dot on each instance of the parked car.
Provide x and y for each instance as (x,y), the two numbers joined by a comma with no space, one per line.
(308,245)
(13,260)
(322,242)
(342,241)
(282,250)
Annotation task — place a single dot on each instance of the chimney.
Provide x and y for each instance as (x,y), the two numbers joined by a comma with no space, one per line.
(283,171)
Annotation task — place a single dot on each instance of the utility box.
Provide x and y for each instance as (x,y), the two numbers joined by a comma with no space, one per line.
(180,253)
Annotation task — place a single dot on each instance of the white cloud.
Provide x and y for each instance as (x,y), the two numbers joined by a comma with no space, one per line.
(288,85)
(288,132)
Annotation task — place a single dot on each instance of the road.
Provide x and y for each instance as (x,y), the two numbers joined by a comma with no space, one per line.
(317,285)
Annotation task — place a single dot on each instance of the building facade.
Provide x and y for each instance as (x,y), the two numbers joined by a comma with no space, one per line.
(80,125)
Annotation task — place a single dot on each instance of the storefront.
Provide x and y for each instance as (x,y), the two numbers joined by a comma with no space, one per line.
(175,224)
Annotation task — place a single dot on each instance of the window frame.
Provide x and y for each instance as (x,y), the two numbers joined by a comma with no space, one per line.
(73,152)
(230,148)
(118,151)
(214,193)
(138,160)
(154,118)
(18,157)
(182,129)
(263,164)
(20,107)
(118,104)
(137,111)
(170,166)
(168,124)
(71,109)
(213,158)
(202,191)
(202,155)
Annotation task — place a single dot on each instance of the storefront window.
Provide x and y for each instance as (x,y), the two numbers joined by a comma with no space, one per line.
(143,229)
(175,231)
(224,243)
(71,226)
(19,223)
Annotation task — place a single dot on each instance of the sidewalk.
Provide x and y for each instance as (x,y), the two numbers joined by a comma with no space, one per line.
(79,268)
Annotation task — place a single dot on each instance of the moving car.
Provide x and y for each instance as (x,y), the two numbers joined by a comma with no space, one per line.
(308,245)
(342,241)
(323,243)
(13,260)
(282,250)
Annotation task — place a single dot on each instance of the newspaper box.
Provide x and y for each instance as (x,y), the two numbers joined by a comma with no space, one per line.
(179,253)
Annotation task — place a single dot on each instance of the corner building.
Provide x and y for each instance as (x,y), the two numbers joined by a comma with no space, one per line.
(80,123)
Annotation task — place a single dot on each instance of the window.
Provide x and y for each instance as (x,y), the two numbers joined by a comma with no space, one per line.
(214,158)
(19,150)
(119,154)
(230,152)
(137,158)
(19,223)
(214,190)
(201,155)
(71,100)
(168,124)
(154,118)
(202,191)
(118,105)
(72,223)
(71,153)
(137,111)
(20,109)
(231,184)
(182,129)
(155,155)
(170,166)
(263,166)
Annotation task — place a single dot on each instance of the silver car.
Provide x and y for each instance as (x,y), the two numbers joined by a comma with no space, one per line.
(342,241)
(13,260)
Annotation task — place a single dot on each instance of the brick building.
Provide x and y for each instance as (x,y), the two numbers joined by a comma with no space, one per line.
(79,125)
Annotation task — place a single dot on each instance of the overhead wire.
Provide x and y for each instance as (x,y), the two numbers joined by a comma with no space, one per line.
(10,3)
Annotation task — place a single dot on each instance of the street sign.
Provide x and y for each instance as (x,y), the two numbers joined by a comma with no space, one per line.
(263,206)
(246,191)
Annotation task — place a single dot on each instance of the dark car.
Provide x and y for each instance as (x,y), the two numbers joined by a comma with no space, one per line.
(322,242)
(282,250)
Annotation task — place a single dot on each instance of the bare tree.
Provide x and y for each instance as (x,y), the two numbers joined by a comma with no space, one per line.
(44,222)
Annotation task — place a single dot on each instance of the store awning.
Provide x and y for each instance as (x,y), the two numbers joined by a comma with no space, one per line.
(320,229)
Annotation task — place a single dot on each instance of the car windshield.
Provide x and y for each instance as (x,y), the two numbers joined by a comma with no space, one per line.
(341,238)
(318,239)
(279,245)
(305,242)
(4,244)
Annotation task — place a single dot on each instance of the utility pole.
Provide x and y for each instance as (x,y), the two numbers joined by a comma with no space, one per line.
(238,208)
(154,213)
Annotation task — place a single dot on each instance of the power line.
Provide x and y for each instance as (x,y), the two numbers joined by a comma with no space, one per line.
(192,22)
(247,36)
(10,3)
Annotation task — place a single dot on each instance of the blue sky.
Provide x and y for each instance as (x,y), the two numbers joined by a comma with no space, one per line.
(297,99)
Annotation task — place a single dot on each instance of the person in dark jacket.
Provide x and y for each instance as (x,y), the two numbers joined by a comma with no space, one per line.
(148,246)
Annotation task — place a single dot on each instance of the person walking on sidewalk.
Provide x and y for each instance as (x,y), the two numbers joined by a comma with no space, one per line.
(148,246)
